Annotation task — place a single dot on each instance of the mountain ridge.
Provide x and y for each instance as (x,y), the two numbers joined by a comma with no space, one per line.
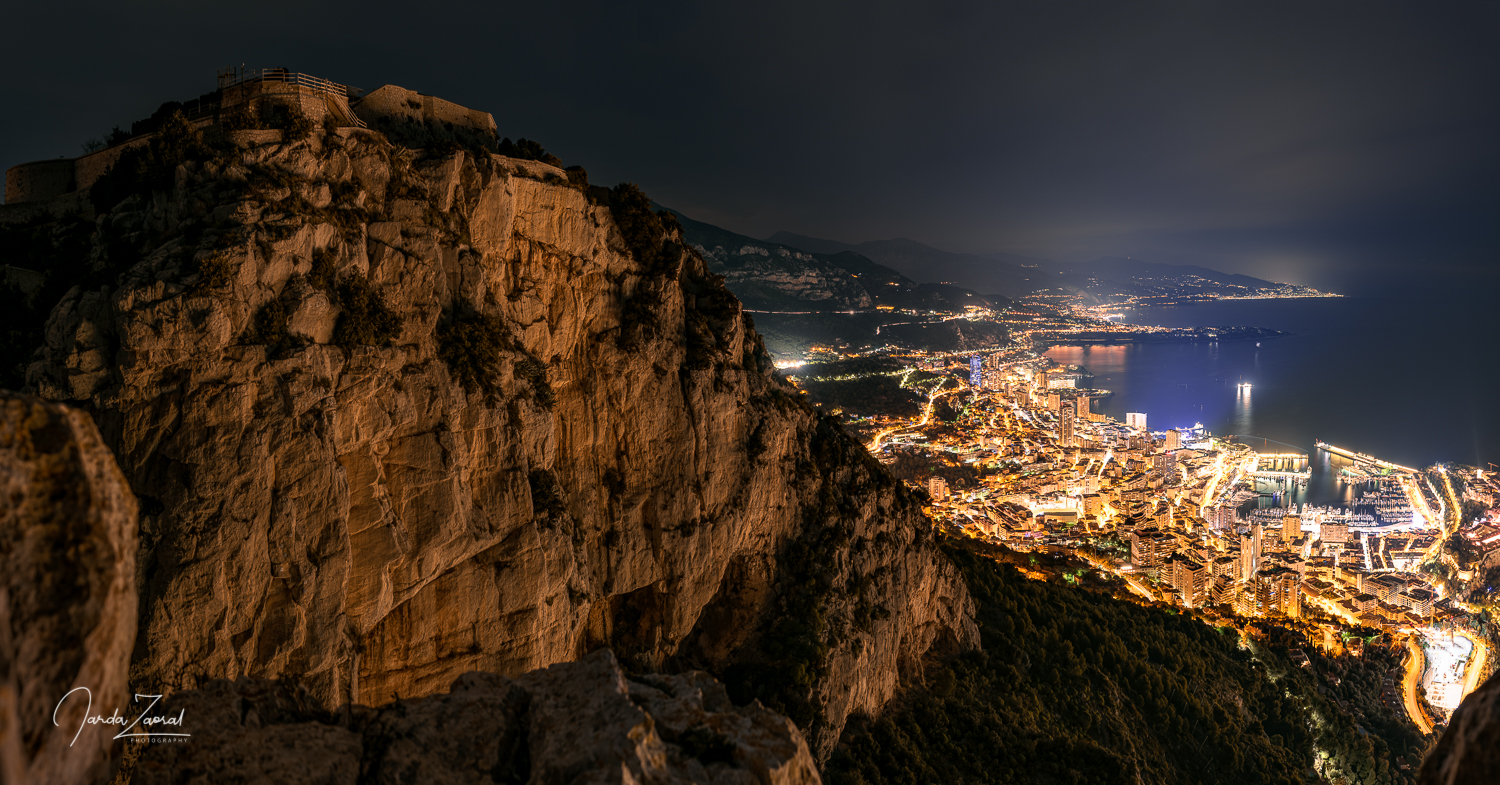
(931,265)
(925,263)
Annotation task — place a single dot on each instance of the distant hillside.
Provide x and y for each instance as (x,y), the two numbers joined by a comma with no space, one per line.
(792,336)
(1015,276)
(772,276)
(925,263)
(1136,271)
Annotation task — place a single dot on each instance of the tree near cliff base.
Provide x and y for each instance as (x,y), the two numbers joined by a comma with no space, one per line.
(1075,686)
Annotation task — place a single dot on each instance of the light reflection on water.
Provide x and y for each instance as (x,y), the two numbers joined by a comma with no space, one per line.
(1181,384)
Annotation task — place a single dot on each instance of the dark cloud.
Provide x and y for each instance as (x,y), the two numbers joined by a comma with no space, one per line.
(1301,141)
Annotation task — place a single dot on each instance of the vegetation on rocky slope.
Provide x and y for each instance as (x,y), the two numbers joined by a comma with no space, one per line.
(1075,686)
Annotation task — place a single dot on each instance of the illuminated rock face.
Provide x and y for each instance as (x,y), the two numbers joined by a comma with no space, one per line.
(67,594)
(354,516)
(1469,751)
(576,722)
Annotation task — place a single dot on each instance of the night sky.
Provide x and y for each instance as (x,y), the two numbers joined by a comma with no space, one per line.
(1325,144)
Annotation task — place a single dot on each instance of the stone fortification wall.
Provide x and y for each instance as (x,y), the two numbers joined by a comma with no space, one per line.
(88,169)
(44,180)
(313,104)
(408,114)
(38,180)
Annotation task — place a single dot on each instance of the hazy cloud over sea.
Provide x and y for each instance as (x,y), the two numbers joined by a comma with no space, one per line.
(1315,143)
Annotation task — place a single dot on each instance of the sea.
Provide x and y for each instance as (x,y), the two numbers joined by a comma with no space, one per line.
(1414,381)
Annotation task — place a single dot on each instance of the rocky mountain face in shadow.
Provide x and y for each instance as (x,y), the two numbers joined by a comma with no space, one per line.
(583,721)
(67,594)
(394,415)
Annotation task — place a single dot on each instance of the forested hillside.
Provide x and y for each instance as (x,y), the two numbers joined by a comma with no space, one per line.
(1074,686)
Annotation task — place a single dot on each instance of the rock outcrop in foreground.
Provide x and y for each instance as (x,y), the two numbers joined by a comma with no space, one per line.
(1469,751)
(395,415)
(67,594)
(580,722)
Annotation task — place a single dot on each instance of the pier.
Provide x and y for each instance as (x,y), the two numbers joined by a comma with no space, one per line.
(1362,460)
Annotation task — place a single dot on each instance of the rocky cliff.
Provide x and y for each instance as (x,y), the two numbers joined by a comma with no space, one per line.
(394,415)
(581,721)
(1468,752)
(67,594)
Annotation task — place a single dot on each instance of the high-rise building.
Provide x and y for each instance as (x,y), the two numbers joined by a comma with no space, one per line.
(1054,402)
(1291,528)
(1149,548)
(1135,420)
(1255,543)
(1081,405)
(1224,591)
(976,370)
(1164,463)
(1174,440)
(1190,579)
(937,488)
(1065,427)
(1278,590)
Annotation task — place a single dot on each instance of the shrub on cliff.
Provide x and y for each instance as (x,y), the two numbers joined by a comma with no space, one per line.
(578,177)
(472,347)
(640,227)
(647,234)
(269,329)
(534,371)
(214,270)
(365,320)
(546,494)
(528,150)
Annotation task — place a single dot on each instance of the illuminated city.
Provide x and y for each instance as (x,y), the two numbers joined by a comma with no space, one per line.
(1197,521)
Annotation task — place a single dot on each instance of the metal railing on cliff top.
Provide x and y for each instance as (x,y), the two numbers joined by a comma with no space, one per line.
(228,77)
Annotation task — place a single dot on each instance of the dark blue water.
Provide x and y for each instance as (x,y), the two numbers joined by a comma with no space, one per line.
(1414,382)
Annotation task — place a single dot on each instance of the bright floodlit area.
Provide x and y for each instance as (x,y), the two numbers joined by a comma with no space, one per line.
(1447,661)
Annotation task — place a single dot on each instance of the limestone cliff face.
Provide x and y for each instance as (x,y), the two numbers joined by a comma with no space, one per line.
(627,471)
(67,594)
(1468,752)
(575,722)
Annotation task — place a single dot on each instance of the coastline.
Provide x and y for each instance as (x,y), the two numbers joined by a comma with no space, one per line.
(1224,335)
